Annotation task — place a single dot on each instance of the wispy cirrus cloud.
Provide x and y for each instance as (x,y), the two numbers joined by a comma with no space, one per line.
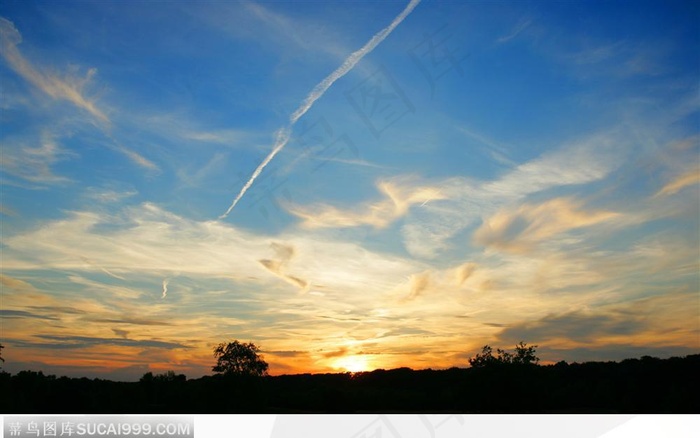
(688,179)
(222,136)
(497,151)
(284,29)
(34,164)
(271,29)
(577,162)
(69,88)
(618,59)
(109,196)
(520,27)
(137,158)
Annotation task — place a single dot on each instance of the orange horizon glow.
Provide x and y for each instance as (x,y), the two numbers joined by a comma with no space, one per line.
(105,360)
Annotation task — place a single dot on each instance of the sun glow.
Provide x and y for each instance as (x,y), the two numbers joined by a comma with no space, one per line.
(354,364)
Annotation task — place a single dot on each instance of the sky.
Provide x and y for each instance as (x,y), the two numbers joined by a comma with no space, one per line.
(348,185)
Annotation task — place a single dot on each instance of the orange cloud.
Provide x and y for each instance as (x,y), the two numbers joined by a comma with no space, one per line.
(462,273)
(521,229)
(687,179)
(284,254)
(419,284)
(399,197)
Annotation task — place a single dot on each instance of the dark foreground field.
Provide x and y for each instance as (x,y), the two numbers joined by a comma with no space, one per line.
(647,385)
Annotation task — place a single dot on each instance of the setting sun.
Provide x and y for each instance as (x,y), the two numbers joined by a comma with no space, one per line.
(354,364)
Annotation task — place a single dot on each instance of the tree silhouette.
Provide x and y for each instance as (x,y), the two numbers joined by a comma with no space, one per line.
(1,358)
(483,359)
(523,355)
(168,376)
(240,359)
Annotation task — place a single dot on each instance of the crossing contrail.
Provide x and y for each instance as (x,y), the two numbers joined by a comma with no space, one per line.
(315,94)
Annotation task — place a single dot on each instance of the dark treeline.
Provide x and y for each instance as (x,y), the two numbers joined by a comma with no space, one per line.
(647,385)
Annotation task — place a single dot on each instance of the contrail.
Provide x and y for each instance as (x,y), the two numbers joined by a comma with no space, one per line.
(105,270)
(282,139)
(165,289)
(318,91)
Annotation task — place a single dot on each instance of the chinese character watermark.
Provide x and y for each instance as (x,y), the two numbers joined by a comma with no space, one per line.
(49,428)
(67,428)
(434,57)
(33,428)
(15,429)
(379,101)
(320,143)
(379,428)
(270,188)
(432,425)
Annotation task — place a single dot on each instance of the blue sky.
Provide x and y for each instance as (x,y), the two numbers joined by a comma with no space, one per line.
(445,175)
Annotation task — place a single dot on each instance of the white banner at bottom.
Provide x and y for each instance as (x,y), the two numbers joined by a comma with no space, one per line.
(350,426)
